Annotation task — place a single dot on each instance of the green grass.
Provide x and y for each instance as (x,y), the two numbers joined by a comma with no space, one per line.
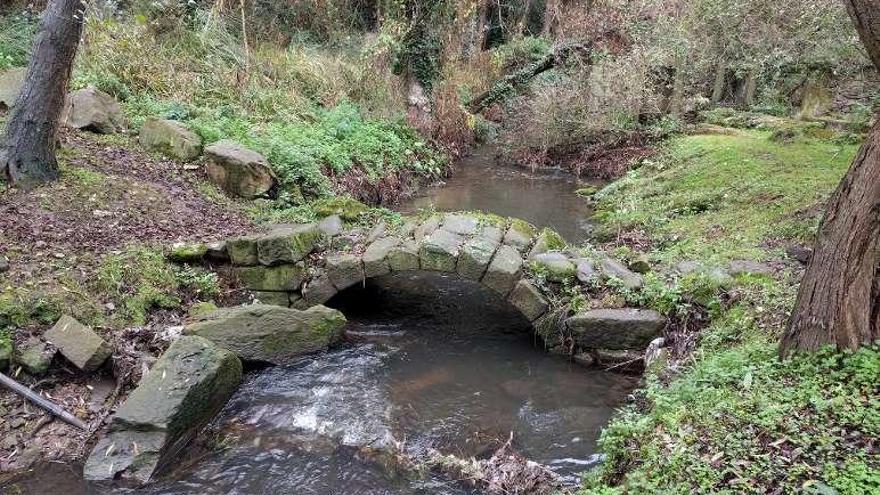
(734,418)
(715,198)
(16,34)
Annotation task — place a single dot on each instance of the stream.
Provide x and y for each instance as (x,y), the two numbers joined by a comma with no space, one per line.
(430,362)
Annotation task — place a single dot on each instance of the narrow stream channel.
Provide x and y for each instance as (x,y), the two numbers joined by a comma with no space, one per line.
(429,362)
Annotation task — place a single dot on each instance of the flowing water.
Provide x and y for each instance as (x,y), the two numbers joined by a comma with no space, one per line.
(546,198)
(429,362)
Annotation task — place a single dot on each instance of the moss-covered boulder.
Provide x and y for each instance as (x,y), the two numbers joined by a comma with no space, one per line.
(347,208)
(35,357)
(170,138)
(238,170)
(519,234)
(270,334)
(242,251)
(186,252)
(547,240)
(186,387)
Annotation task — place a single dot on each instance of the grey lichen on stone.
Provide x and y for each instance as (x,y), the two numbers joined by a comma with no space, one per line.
(170,138)
(93,110)
(273,298)
(519,234)
(528,300)
(404,256)
(186,387)
(614,269)
(427,227)
(439,252)
(318,290)
(504,271)
(460,224)
(619,329)
(287,244)
(375,257)
(242,251)
(272,278)
(344,270)
(78,343)
(331,226)
(555,266)
(477,253)
(238,170)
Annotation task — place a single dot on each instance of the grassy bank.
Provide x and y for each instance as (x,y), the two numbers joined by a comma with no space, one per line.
(730,417)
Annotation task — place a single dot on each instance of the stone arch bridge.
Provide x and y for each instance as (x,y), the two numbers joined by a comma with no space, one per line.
(300,266)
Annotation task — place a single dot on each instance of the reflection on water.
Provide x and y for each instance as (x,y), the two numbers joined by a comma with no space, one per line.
(431,362)
(545,198)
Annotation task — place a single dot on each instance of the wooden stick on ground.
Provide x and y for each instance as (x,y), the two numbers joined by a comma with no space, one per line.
(41,401)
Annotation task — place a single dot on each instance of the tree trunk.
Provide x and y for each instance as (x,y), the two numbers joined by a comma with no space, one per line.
(29,156)
(551,19)
(839,299)
(720,80)
(523,24)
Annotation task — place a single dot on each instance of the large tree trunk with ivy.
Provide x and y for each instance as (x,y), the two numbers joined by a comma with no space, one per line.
(839,299)
(29,155)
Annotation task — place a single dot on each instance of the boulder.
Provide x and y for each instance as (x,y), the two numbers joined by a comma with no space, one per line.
(78,343)
(439,252)
(344,270)
(186,387)
(375,257)
(613,269)
(287,244)
(504,271)
(404,256)
(35,357)
(269,334)
(616,329)
(555,266)
(238,170)
(93,110)
(272,278)
(11,82)
(170,138)
(528,300)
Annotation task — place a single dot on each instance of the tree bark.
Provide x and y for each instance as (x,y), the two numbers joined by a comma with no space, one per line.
(29,155)
(720,80)
(839,299)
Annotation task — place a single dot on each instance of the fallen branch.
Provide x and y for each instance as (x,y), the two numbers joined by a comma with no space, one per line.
(41,401)
(520,78)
